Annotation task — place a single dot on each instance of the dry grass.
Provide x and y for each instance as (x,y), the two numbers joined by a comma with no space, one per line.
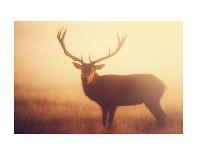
(41,111)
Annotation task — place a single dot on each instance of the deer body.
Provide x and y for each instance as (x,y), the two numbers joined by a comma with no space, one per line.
(123,90)
(111,91)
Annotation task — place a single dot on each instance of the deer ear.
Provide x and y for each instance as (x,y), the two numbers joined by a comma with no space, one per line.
(78,66)
(97,67)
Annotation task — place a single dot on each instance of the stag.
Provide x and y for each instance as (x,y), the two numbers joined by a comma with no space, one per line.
(111,91)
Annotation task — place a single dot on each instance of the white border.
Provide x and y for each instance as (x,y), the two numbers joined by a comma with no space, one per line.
(96,10)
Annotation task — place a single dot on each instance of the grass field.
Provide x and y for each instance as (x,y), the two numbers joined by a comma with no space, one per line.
(54,111)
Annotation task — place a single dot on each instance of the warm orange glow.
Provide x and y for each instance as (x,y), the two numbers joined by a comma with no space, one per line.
(150,47)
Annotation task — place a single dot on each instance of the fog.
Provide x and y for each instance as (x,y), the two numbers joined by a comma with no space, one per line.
(150,47)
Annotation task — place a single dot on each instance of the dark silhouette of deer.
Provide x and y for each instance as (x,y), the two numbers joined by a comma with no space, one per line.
(111,91)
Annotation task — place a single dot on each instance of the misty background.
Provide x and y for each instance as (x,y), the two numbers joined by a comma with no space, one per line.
(150,47)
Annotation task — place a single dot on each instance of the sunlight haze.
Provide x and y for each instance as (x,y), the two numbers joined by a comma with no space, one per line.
(150,48)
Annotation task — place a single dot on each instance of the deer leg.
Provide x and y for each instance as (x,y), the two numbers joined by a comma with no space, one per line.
(111,116)
(156,110)
(104,116)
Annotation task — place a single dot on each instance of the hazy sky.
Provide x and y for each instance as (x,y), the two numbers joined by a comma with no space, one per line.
(150,47)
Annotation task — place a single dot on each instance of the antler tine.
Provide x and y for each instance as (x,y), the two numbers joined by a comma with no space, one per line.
(60,37)
(82,59)
(120,44)
(64,33)
(90,58)
(59,33)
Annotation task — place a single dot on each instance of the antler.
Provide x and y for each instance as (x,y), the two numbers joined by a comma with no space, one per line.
(60,37)
(120,44)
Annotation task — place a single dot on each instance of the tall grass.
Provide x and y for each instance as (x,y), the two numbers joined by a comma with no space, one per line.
(54,111)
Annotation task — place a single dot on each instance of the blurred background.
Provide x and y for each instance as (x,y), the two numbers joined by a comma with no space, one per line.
(150,47)
(42,67)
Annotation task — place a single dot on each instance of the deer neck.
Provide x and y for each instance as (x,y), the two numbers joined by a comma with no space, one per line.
(95,78)
(91,88)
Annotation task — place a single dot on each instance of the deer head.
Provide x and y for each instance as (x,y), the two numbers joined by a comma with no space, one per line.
(88,70)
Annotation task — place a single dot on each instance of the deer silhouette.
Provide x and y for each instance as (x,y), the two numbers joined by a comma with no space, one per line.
(111,91)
